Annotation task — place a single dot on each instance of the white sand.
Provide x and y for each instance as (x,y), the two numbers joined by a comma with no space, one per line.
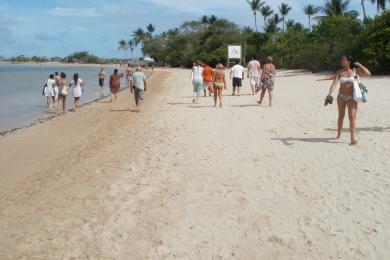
(194,182)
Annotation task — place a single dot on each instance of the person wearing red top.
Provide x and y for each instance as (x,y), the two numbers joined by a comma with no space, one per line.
(207,79)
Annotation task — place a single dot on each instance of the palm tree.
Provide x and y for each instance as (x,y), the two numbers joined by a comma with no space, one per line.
(290,24)
(150,29)
(131,46)
(380,4)
(122,46)
(255,6)
(247,29)
(273,22)
(284,9)
(204,20)
(266,12)
(310,10)
(337,8)
(139,36)
(364,9)
(212,19)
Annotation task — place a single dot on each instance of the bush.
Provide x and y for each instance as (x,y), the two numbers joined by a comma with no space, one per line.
(374,44)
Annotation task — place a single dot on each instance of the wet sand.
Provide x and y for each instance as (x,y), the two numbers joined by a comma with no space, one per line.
(184,181)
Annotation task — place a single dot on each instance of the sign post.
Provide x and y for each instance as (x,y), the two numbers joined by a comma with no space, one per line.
(234,53)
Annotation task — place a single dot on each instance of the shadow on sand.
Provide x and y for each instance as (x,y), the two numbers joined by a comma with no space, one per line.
(290,140)
(123,110)
(364,129)
(199,106)
(179,103)
(250,105)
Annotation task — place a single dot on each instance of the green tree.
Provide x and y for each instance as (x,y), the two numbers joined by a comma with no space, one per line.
(310,10)
(273,23)
(255,6)
(131,46)
(338,7)
(122,46)
(374,44)
(381,4)
(362,2)
(266,12)
(284,9)
(150,30)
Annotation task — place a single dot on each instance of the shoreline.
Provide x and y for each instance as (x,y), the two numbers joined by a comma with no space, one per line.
(41,120)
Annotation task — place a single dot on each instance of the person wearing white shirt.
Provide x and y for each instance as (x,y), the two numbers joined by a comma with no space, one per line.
(237,74)
(49,90)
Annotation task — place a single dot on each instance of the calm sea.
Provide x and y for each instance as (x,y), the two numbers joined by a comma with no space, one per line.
(21,100)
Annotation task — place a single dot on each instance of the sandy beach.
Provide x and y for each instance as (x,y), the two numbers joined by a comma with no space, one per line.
(184,181)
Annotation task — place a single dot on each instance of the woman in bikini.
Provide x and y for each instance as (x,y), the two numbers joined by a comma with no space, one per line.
(219,83)
(345,97)
(268,80)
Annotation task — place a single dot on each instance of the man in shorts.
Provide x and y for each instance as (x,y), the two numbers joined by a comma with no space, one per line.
(237,73)
(139,88)
(254,73)
(101,75)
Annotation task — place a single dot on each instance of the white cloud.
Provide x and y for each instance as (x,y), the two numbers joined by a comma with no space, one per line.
(73,12)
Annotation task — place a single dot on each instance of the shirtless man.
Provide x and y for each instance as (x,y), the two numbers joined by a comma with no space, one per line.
(101,75)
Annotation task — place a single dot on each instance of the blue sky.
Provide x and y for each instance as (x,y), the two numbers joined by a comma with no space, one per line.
(60,27)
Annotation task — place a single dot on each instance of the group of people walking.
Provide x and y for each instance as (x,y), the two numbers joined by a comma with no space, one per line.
(57,88)
(135,80)
(213,81)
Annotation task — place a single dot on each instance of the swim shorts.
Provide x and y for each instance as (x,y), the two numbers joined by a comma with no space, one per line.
(139,93)
(237,82)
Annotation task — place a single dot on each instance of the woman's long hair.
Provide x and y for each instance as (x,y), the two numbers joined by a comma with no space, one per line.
(76,78)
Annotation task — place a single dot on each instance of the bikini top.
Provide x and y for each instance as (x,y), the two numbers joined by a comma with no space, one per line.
(344,80)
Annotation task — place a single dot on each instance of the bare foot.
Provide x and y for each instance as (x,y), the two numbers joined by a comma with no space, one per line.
(220,105)
(354,142)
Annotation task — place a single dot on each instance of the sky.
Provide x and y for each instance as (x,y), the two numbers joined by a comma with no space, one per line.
(59,27)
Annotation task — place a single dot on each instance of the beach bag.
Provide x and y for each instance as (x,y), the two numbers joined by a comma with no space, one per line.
(210,89)
(357,91)
(44,89)
(364,89)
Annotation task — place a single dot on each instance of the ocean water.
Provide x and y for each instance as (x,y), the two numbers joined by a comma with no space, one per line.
(21,100)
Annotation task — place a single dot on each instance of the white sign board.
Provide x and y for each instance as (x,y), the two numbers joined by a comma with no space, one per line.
(234,52)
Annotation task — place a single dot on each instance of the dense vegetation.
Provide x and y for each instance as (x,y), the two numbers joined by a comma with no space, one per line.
(337,31)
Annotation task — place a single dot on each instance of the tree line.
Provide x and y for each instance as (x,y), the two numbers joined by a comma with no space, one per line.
(332,30)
